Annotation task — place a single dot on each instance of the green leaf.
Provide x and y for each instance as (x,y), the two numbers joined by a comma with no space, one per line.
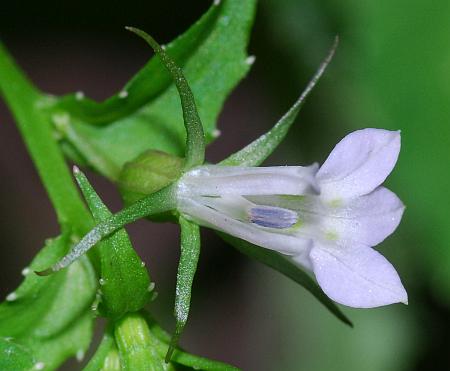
(257,151)
(213,68)
(49,314)
(73,297)
(43,306)
(14,356)
(284,266)
(84,149)
(190,252)
(74,340)
(124,279)
(195,140)
(146,85)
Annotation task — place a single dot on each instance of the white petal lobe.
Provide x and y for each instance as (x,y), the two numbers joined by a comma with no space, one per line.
(359,163)
(367,219)
(357,276)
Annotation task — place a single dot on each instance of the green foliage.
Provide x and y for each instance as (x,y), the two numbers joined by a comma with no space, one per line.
(147,84)
(14,356)
(50,316)
(136,342)
(74,340)
(122,138)
(213,61)
(37,312)
(157,203)
(124,280)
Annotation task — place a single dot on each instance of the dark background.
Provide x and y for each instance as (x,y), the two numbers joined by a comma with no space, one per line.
(391,71)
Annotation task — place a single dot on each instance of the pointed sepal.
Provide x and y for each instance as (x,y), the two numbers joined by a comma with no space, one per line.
(257,151)
(195,138)
(190,252)
(124,281)
(156,203)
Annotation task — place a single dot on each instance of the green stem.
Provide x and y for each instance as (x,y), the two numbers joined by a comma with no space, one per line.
(24,101)
(137,345)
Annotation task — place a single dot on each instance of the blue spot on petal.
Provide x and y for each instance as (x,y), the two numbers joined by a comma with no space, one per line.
(273,217)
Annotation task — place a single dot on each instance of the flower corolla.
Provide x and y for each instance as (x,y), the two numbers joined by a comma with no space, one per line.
(326,219)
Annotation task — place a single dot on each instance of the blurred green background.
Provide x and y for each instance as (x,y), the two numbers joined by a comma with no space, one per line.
(392,70)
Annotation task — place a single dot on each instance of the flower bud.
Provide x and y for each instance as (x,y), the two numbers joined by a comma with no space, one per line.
(148,173)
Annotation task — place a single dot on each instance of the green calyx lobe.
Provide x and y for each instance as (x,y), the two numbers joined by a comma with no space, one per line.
(147,174)
(124,280)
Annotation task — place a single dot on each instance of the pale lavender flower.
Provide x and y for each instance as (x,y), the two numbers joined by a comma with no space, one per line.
(326,219)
